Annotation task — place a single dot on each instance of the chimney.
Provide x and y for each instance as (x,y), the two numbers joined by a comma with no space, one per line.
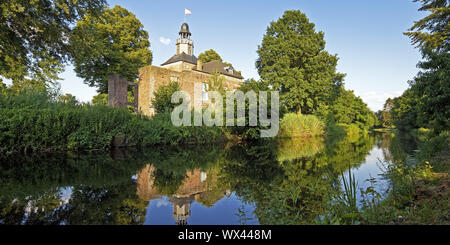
(199,65)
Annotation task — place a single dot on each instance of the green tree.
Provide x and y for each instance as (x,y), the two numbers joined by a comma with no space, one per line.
(68,99)
(292,58)
(404,111)
(209,55)
(432,87)
(33,36)
(112,43)
(384,116)
(350,109)
(162,100)
(433,30)
(426,102)
(100,99)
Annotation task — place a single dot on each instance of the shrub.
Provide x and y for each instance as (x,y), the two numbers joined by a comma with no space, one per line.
(350,129)
(162,100)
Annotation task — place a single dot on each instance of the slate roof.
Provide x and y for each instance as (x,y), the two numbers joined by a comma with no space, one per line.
(219,66)
(181,57)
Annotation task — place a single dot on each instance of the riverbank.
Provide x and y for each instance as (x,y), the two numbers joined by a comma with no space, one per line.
(420,193)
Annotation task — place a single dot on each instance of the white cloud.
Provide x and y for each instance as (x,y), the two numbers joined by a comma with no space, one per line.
(163,202)
(165,41)
(375,100)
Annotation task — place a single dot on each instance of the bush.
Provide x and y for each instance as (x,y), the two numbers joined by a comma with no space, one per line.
(162,100)
(350,129)
(37,122)
(294,125)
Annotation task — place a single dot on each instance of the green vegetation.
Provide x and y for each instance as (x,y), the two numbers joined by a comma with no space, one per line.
(420,181)
(36,121)
(385,116)
(307,78)
(34,46)
(162,100)
(295,125)
(112,43)
(291,187)
(292,58)
(418,192)
(425,103)
(433,30)
(209,55)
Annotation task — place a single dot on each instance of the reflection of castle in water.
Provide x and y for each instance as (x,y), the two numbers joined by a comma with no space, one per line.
(197,185)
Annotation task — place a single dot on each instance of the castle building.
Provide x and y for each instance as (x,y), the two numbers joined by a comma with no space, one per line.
(187,70)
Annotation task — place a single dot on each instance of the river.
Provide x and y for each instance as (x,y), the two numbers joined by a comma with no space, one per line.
(270,182)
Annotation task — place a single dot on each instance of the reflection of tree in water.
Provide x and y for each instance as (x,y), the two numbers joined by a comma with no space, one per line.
(398,147)
(295,190)
(289,182)
(101,190)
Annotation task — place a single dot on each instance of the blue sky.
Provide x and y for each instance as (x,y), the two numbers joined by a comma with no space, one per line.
(366,35)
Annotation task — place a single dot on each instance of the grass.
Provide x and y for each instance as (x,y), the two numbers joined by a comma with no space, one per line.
(301,126)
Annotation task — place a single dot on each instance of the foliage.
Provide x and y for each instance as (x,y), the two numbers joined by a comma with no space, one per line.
(209,55)
(385,116)
(249,132)
(162,100)
(350,129)
(432,31)
(33,43)
(68,99)
(35,121)
(425,103)
(292,59)
(100,99)
(349,109)
(432,87)
(294,125)
(404,111)
(113,43)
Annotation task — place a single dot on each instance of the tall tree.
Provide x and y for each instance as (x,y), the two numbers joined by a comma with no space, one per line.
(112,43)
(427,102)
(33,36)
(432,86)
(292,58)
(385,114)
(433,30)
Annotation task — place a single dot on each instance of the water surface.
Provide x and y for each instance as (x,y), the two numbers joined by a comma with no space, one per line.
(269,182)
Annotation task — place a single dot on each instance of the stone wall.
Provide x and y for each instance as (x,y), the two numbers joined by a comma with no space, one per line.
(152,77)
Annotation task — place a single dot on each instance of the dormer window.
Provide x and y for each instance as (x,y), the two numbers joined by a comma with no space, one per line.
(229,69)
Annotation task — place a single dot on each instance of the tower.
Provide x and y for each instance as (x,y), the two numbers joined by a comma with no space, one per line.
(184,42)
